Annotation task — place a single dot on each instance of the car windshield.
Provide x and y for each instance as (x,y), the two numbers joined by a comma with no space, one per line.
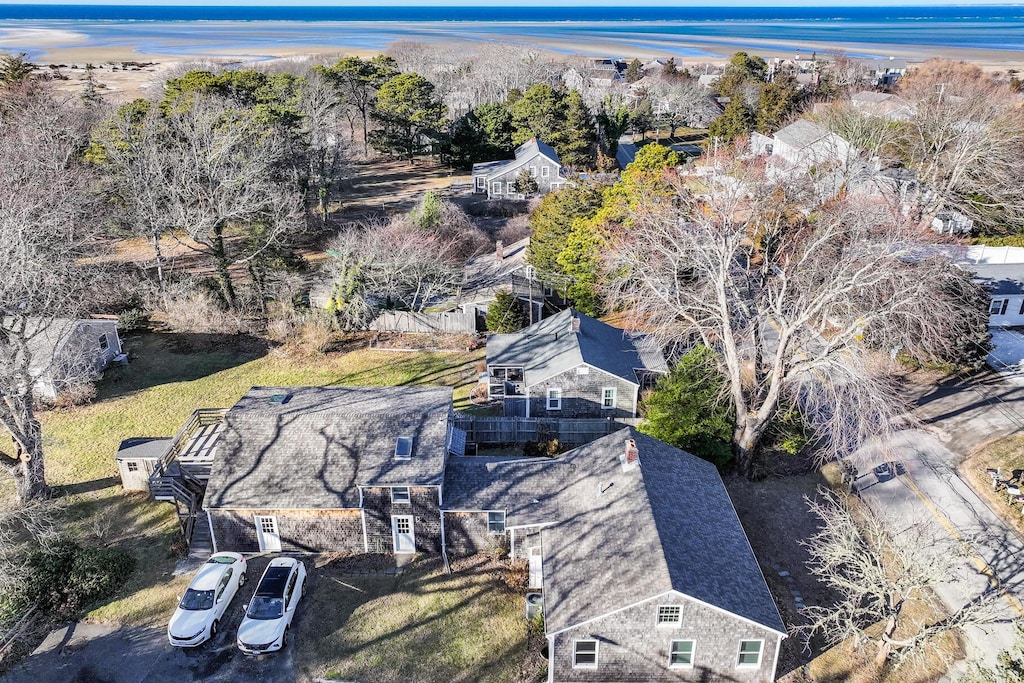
(221,559)
(265,608)
(197,600)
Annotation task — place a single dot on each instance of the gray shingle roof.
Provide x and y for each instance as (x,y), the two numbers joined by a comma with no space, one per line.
(999,279)
(316,449)
(484,275)
(801,133)
(549,347)
(666,525)
(523,153)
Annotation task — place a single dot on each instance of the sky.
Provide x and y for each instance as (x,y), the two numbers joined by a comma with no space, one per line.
(521,3)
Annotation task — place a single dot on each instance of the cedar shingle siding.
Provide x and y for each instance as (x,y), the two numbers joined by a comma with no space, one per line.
(424,508)
(582,395)
(465,533)
(632,647)
(305,531)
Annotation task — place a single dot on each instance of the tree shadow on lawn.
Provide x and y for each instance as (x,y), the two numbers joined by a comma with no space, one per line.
(156,358)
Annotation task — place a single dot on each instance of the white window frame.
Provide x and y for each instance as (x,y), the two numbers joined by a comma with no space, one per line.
(678,621)
(671,651)
(587,665)
(554,401)
(533,171)
(998,306)
(545,171)
(496,187)
(604,398)
(398,500)
(760,653)
(104,342)
(511,187)
(132,466)
(491,524)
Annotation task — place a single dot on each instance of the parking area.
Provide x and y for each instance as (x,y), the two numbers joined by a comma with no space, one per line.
(85,653)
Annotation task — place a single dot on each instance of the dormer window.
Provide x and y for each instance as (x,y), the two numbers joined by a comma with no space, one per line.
(403,448)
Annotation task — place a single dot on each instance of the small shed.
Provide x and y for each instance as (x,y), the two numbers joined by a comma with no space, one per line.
(137,458)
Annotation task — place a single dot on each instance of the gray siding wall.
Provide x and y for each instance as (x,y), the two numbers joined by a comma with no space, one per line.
(581,395)
(544,185)
(465,533)
(139,479)
(632,647)
(424,508)
(302,531)
(525,539)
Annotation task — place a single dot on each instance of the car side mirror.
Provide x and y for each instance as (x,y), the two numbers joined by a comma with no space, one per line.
(245,607)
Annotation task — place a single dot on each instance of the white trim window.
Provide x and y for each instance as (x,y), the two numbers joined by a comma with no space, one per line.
(545,171)
(554,399)
(680,654)
(400,495)
(750,653)
(584,654)
(104,343)
(496,187)
(998,306)
(608,398)
(670,615)
(496,522)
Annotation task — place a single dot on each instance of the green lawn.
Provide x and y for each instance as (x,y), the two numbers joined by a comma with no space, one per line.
(170,376)
(422,626)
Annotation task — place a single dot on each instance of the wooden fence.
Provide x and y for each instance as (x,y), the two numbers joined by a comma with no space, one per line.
(454,322)
(495,431)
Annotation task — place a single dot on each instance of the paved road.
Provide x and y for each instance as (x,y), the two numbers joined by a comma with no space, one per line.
(84,653)
(929,491)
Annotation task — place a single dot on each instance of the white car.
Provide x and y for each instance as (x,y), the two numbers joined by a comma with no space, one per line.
(272,608)
(201,608)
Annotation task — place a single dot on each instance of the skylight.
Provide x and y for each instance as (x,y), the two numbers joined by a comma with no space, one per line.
(403,448)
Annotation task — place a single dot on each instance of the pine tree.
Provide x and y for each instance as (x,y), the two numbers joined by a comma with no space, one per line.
(90,95)
(635,71)
(15,69)
(670,70)
(576,143)
(526,184)
(506,313)
(734,122)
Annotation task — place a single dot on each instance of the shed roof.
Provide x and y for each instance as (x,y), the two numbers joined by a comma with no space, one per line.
(316,448)
(616,537)
(999,279)
(143,448)
(550,347)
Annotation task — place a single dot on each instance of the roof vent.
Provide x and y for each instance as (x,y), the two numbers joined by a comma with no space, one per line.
(403,448)
(278,399)
(604,486)
(574,324)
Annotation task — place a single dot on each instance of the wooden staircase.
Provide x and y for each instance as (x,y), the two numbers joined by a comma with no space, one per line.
(180,476)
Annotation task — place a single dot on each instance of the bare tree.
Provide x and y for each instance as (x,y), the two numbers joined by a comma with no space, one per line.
(44,208)
(885,576)
(322,113)
(796,303)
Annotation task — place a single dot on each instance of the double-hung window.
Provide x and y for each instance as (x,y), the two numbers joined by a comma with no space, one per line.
(608,398)
(400,495)
(680,655)
(496,522)
(554,399)
(750,653)
(584,654)
(998,306)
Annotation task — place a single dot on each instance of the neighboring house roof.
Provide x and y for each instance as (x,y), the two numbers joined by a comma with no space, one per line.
(550,347)
(1001,279)
(484,275)
(801,134)
(617,537)
(315,449)
(48,337)
(881,104)
(523,154)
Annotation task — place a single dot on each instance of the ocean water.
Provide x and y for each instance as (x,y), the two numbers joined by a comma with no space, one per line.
(691,31)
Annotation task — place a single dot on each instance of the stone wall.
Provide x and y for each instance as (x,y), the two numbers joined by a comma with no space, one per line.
(423,507)
(632,647)
(303,531)
(582,394)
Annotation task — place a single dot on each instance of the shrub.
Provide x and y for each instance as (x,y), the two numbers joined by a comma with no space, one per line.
(97,573)
(132,319)
(75,394)
(506,313)
(517,575)
(545,448)
(63,577)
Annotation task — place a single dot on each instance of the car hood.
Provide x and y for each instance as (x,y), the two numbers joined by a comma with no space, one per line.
(260,631)
(185,623)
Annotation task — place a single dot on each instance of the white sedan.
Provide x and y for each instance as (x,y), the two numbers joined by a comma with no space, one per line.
(271,610)
(201,608)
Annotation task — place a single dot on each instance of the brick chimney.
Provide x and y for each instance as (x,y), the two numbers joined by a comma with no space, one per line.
(574,323)
(632,452)
(499,251)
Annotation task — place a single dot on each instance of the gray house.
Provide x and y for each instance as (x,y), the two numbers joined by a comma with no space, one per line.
(497,179)
(68,352)
(1005,285)
(646,572)
(313,469)
(571,365)
(504,268)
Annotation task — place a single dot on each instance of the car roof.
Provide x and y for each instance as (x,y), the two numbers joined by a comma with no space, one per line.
(274,580)
(208,576)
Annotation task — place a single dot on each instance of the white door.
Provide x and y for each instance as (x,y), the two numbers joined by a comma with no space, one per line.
(405,537)
(536,568)
(266,531)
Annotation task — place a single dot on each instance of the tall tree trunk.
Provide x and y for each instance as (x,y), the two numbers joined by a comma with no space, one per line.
(26,467)
(885,642)
(159,259)
(746,443)
(223,265)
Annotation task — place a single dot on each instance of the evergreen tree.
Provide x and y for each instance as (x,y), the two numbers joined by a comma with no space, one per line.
(734,122)
(552,222)
(483,134)
(614,120)
(90,95)
(670,70)
(685,409)
(580,261)
(634,71)
(539,113)
(15,69)
(526,184)
(576,142)
(777,103)
(642,116)
(409,113)
(741,69)
(506,313)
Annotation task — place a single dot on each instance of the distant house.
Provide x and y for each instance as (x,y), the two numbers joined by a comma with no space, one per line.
(497,179)
(1005,285)
(708,81)
(600,76)
(571,365)
(646,572)
(803,144)
(952,222)
(313,469)
(67,352)
(882,105)
(884,72)
(504,268)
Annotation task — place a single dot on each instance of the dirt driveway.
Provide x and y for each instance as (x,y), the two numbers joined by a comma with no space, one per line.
(86,653)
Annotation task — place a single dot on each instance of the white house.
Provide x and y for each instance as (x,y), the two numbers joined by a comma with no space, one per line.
(497,179)
(65,352)
(1000,270)
(804,144)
